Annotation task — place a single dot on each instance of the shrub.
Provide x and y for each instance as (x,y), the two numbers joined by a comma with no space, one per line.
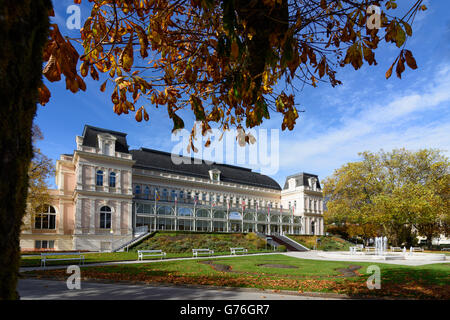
(251,236)
(282,248)
(260,244)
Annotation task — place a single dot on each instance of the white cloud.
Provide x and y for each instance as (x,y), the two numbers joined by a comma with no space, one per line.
(413,120)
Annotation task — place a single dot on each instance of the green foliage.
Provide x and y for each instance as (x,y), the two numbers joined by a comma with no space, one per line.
(326,243)
(251,236)
(391,194)
(282,248)
(184,242)
(260,244)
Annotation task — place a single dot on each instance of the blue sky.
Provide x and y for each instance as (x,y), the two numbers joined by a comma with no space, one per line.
(366,113)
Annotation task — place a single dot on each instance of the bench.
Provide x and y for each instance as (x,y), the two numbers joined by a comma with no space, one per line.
(415,249)
(238,250)
(196,252)
(356,248)
(369,249)
(394,249)
(445,249)
(150,253)
(48,256)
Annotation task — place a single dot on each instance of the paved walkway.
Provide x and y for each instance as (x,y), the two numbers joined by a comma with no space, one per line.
(33,289)
(314,255)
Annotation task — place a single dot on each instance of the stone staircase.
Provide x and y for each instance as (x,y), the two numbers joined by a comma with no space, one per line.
(140,234)
(290,244)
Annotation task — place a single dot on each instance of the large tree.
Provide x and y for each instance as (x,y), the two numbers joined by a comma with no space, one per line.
(399,194)
(232,63)
(23,33)
(225,60)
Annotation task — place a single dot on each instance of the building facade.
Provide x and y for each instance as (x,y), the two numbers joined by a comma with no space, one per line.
(106,194)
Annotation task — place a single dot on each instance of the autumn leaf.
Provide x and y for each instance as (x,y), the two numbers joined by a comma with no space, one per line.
(410,61)
(197,107)
(84,68)
(400,36)
(103,86)
(126,58)
(44,94)
(389,72)
(178,123)
(400,67)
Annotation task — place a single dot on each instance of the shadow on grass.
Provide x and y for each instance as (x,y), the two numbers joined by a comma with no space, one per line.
(414,283)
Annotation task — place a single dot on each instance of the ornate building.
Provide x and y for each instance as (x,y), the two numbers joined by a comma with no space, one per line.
(106,194)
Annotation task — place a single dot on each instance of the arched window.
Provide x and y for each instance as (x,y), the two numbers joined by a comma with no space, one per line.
(219,214)
(137,190)
(234,215)
(112,179)
(105,217)
(45,218)
(313,228)
(99,180)
(202,213)
(147,192)
(185,211)
(181,194)
(164,194)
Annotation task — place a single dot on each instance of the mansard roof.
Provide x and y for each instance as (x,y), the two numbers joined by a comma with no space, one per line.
(159,160)
(301,179)
(90,138)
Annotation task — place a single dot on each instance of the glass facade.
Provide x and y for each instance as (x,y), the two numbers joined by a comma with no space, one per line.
(204,218)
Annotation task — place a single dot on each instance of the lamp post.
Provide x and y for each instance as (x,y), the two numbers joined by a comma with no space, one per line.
(112,233)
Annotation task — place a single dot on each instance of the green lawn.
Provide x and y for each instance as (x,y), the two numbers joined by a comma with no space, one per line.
(35,260)
(425,282)
(176,244)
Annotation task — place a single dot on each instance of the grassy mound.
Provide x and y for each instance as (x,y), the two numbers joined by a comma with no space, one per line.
(179,242)
(326,243)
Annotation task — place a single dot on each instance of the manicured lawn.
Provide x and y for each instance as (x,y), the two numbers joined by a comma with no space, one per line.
(35,260)
(176,244)
(425,282)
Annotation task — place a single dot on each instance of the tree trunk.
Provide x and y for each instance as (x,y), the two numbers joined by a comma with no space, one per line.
(429,241)
(24,27)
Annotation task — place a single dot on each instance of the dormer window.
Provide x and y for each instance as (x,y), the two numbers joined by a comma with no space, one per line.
(312,183)
(214,175)
(291,183)
(106,144)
